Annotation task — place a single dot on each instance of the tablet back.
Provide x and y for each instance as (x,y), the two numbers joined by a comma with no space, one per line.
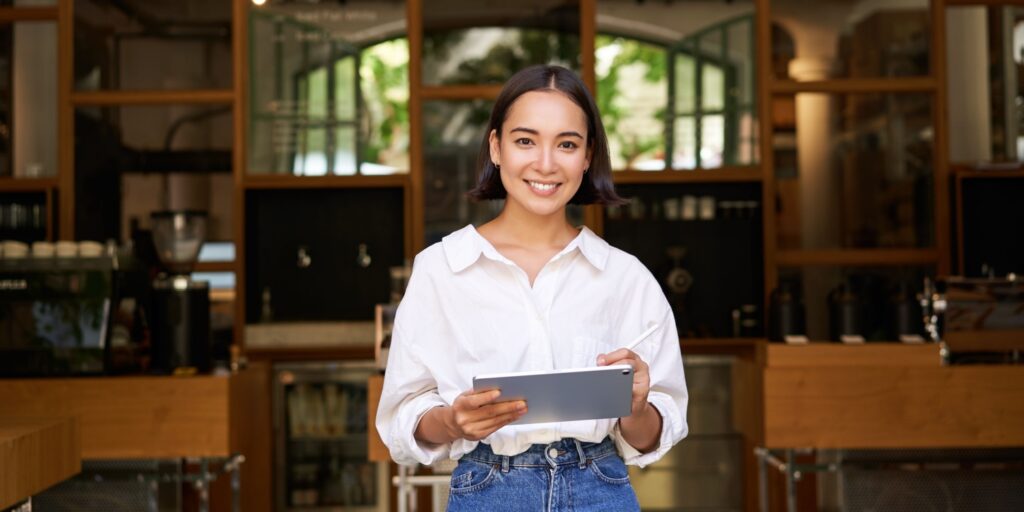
(565,395)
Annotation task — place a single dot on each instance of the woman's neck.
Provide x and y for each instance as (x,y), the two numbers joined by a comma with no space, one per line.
(527,230)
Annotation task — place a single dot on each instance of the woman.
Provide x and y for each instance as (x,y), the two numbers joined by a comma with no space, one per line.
(528,291)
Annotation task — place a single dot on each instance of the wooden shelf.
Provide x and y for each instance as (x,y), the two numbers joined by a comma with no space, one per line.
(725,174)
(27,184)
(855,257)
(15,14)
(460,92)
(856,86)
(287,181)
(146,97)
(967,174)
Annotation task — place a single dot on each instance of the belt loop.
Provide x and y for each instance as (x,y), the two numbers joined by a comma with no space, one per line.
(504,463)
(583,456)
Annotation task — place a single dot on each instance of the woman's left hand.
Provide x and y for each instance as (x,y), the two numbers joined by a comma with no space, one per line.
(641,375)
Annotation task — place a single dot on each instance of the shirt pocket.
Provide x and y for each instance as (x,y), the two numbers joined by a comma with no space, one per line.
(589,340)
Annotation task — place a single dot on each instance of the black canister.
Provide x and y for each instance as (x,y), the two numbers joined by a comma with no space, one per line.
(906,317)
(786,314)
(846,314)
(180,327)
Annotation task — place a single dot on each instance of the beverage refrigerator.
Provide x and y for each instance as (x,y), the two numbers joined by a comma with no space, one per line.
(320,439)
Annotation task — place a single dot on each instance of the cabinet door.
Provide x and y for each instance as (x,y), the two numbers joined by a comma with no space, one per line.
(304,257)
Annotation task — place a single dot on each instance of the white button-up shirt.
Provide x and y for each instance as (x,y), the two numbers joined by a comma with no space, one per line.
(468,310)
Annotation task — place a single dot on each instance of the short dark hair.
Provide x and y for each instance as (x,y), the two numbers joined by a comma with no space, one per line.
(597,184)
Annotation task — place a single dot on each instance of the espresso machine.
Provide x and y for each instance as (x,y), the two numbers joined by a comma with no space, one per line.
(181,306)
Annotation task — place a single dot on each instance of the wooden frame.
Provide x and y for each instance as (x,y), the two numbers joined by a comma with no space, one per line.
(855,257)
(34,13)
(751,174)
(142,97)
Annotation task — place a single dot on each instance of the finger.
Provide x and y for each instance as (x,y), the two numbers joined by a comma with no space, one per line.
(477,399)
(496,409)
(618,356)
(488,426)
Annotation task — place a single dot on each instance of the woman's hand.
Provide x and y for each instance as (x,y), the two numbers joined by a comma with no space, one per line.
(473,416)
(641,375)
(642,428)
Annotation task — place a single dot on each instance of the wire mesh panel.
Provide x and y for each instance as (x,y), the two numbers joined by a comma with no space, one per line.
(117,486)
(932,480)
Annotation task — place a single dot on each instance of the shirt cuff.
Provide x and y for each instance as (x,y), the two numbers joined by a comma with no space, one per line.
(673,428)
(404,433)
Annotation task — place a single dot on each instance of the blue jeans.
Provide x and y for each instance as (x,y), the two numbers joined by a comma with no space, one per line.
(566,475)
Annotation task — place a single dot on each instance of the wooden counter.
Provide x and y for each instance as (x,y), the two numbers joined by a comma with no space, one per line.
(887,396)
(35,454)
(161,418)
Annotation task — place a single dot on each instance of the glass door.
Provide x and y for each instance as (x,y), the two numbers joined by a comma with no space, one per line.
(320,422)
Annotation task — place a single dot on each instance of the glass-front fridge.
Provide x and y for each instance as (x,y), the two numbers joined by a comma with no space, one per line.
(320,431)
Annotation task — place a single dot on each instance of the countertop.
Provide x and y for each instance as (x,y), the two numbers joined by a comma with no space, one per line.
(35,454)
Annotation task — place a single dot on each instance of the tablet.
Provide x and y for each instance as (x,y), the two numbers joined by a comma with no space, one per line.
(565,395)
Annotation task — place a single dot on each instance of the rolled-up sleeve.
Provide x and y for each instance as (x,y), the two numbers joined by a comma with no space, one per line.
(668,394)
(409,392)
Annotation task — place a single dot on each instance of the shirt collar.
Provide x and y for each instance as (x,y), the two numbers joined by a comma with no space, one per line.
(465,246)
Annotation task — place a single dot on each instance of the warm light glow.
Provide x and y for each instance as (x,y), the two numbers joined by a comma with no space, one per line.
(259,2)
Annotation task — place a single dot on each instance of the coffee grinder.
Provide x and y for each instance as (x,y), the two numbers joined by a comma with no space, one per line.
(181,306)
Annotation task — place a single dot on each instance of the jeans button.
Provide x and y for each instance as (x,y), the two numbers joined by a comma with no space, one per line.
(553,453)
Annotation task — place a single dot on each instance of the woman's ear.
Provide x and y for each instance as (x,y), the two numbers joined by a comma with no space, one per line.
(495,143)
(590,155)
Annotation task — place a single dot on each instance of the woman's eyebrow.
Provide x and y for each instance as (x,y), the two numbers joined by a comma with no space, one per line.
(531,131)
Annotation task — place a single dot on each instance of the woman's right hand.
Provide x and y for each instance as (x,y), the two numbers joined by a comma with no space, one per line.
(475,415)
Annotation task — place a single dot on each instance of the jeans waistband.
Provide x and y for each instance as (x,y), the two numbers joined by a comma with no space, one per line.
(564,451)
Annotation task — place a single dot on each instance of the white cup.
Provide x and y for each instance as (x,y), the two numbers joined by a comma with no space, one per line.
(66,249)
(90,249)
(15,249)
(43,250)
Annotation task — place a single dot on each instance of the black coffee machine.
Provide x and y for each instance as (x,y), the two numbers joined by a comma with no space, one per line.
(181,306)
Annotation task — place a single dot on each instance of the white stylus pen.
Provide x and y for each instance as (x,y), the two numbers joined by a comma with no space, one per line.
(643,336)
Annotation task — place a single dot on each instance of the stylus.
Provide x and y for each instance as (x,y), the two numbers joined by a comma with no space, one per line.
(643,336)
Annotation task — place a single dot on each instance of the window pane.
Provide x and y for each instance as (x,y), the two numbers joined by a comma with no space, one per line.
(712,87)
(384,123)
(337,69)
(684,154)
(632,94)
(472,42)
(28,99)
(842,39)
(712,140)
(152,45)
(686,81)
(863,172)
(345,88)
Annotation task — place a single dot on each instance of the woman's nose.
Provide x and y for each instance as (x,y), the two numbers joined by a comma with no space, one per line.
(546,161)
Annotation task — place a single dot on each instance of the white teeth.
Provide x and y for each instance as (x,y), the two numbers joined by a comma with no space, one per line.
(542,186)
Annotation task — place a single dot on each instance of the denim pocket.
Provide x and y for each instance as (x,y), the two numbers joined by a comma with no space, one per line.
(471,476)
(611,469)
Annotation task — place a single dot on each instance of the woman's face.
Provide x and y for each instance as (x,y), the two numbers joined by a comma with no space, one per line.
(542,152)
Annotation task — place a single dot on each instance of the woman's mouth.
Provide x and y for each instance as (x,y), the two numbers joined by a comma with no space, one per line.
(542,188)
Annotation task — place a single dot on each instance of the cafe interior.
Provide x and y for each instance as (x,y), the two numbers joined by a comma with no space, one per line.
(209,211)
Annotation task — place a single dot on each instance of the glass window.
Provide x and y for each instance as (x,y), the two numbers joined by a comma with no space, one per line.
(152,45)
(842,39)
(856,172)
(133,160)
(28,99)
(329,90)
(676,86)
(471,42)
(986,89)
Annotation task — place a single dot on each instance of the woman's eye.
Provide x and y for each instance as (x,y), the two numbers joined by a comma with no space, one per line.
(524,141)
(568,144)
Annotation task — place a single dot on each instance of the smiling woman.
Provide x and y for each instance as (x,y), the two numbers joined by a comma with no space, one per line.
(529,291)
